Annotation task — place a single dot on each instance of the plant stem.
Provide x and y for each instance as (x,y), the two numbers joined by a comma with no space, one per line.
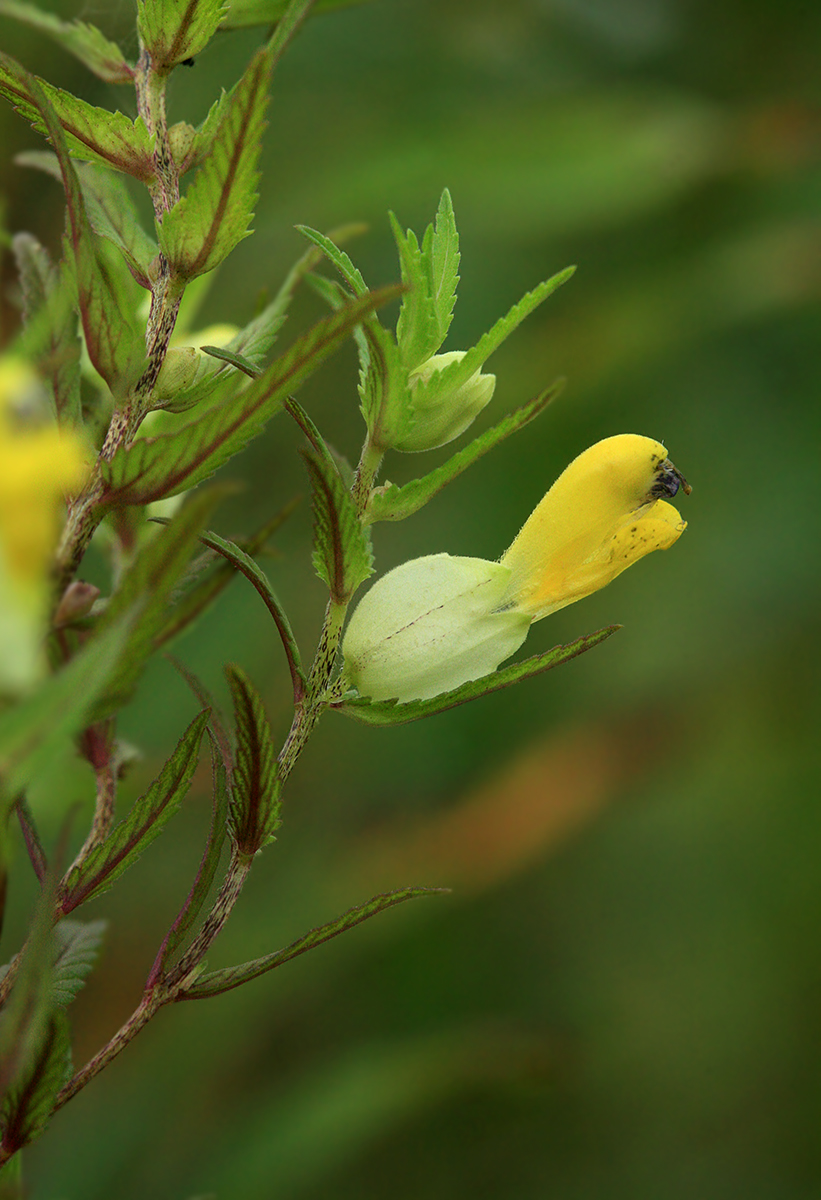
(232,885)
(366,472)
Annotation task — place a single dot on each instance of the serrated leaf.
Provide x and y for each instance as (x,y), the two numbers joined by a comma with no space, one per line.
(152,468)
(148,817)
(417,329)
(389,712)
(444,263)
(343,558)
(203,594)
(77,946)
(28,1104)
(32,731)
(147,587)
(115,347)
(105,59)
(216,982)
(392,503)
(173,30)
(245,13)
(95,134)
(387,404)
(458,373)
(50,336)
(215,213)
(111,211)
(255,798)
(338,258)
(209,862)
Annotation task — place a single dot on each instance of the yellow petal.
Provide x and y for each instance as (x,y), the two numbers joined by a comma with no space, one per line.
(600,516)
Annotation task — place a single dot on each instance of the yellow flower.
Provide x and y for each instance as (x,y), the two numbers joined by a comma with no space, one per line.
(39,465)
(437,622)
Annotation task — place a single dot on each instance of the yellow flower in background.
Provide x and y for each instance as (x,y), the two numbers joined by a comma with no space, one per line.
(39,465)
(437,622)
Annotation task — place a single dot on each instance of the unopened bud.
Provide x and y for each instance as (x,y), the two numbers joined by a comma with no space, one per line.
(442,411)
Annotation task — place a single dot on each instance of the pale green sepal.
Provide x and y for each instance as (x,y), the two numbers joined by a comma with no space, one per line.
(392,503)
(391,712)
(429,626)
(441,413)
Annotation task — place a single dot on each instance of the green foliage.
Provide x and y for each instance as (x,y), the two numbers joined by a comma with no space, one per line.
(255,794)
(77,945)
(215,214)
(95,134)
(145,591)
(392,503)
(390,712)
(153,468)
(149,815)
(29,1101)
(343,558)
(216,982)
(35,729)
(174,30)
(50,335)
(85,42)
(244,13)
(431,274)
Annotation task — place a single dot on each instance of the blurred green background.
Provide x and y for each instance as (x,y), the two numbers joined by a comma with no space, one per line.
(622,996)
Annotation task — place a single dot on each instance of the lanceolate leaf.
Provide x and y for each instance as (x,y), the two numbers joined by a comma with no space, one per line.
(31,732)
(432,274)
(338,257)
(85,42)
(389,712)
(152,468)
(173,30)
(96,134)
(343,558)
(392,503)
(146,820)
(215,214)
(216,982)
(51,330)
(146,587)
(114,346)
(111,211)
(78,944)
(29,1102)
(255,802)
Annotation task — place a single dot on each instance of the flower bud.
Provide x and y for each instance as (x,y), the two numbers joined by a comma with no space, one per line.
(429,626)
(442,411)
(178,372)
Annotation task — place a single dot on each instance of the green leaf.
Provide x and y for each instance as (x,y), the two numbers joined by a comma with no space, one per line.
(392,503)
(204,593)
(387,405)
(245,13)
(147,587)
(431,275)
(338,257)
(50,336)
(255,799)
(343,558)
(78,944)
(216,982)
(152,468)
(458,373)
(389,712)
(235,360)
(173,30)
(28,1104)
(444,262)
(206,874)
(32,731)
(111,211)
(215,214)
(105,59)
(110,138)
(148,817)
(115,347)
(24,1016)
